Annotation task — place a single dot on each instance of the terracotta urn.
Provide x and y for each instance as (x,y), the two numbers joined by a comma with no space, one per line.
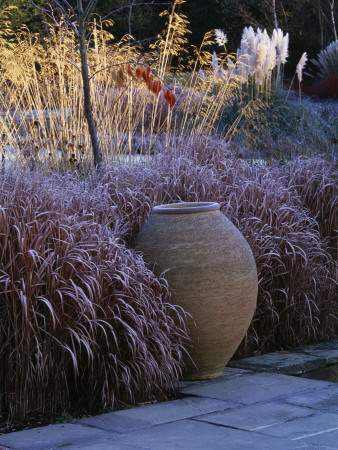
(211,273)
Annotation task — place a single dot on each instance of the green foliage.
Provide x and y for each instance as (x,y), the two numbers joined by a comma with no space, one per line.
(24,14)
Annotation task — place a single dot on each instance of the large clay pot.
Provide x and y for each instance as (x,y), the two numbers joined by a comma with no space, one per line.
(211,273)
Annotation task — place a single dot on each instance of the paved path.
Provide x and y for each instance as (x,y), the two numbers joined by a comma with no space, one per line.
(258,403)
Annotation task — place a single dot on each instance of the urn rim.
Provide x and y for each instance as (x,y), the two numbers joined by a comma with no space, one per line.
(186,207)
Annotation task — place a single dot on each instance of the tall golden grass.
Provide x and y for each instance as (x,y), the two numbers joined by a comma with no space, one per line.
(41,100)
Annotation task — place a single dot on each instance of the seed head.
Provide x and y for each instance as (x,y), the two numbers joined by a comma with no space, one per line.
(220,37)
(300,66)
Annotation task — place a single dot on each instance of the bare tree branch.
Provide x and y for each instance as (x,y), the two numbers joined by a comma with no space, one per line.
(71,9)
(121,8)
(89,10)
(50,14)
(38,7)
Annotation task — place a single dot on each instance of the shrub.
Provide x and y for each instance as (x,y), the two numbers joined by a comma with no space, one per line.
(83,324)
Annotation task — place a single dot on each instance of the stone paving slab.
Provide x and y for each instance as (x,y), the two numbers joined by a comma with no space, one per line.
(194,435)
(51,436)
(158,413)
(320,399)
(106,443)
(242,410)
(256,388)
(286,363)
(258,416)
(305,428)
(228,373)
(325,373)
(114,422)
(326,350)
(329,440)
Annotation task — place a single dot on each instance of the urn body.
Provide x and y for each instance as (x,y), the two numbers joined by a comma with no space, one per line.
(211,273)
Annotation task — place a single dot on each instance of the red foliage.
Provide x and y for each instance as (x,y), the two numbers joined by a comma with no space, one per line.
(324,88)
(129,71)
(170,98)
(149,82)
(157,86)
(143,72)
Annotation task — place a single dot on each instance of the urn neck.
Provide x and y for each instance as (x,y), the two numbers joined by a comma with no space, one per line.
(186,208)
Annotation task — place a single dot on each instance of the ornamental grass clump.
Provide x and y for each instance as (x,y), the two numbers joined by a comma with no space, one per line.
(326,62)
(296,299)
(258,56)
(84,325)
(326,71)
(316,182)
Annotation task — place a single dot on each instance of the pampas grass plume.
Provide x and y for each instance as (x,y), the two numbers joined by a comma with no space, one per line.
(220,37)
(300,66)
(283,50)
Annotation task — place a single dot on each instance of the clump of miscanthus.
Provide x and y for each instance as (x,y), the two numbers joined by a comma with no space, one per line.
(84,324)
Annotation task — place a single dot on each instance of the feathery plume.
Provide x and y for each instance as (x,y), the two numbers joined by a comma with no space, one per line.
(300,66)
(220,37)
(283,50)
(277,36)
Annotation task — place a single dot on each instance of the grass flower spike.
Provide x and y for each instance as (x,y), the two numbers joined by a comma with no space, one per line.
(220,37)
(300,66)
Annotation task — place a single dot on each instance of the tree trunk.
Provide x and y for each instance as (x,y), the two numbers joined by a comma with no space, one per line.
(274,13)
(333,21)
(88,110)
